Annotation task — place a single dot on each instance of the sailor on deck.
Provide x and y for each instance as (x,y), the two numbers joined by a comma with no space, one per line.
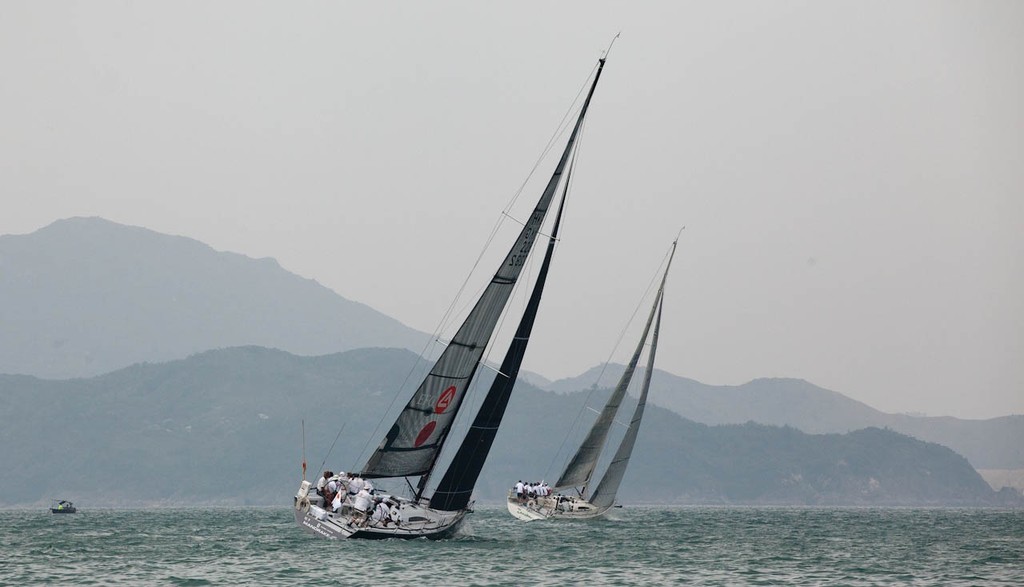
(322,481)
(362,504)
(381,513)
(355,485)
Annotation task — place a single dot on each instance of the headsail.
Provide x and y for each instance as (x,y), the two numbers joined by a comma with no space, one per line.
(412,445)
(604,495)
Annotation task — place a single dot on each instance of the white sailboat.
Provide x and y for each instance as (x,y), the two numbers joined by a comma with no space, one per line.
(413,444)
(578,473)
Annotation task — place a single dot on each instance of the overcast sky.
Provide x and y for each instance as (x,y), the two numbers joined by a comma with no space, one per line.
(850,174)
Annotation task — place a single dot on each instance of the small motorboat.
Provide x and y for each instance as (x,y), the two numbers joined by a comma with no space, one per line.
(64,507)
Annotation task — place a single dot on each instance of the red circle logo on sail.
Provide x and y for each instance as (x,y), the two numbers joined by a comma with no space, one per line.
(425,433)
(445,400)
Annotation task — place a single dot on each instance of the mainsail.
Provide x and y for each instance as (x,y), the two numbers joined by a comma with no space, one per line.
(581,468)
(412,445)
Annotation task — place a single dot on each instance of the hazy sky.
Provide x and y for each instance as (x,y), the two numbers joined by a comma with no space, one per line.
(850,174)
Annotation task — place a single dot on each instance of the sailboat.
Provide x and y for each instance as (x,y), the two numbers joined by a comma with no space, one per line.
(551,503)
(412,446)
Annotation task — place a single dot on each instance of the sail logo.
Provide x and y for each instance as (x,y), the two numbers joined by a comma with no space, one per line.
(424,434)
(445,400)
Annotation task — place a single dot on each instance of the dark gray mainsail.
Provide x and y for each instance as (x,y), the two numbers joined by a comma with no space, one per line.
(580,469)
(412,445)
(604,495)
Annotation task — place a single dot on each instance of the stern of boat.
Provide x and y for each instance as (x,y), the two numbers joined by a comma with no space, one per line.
(523,510)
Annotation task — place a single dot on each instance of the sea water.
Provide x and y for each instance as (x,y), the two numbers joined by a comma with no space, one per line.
(635,546)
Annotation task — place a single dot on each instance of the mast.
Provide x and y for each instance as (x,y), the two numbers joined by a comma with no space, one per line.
(413,443)
(604,495)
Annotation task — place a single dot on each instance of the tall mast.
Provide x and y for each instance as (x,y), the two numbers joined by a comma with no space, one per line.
(412,445)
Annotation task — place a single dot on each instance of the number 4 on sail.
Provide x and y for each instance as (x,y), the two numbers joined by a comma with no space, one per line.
(538,501)
(412,446)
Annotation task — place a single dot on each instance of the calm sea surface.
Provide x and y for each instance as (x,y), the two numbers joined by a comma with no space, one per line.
(640,546)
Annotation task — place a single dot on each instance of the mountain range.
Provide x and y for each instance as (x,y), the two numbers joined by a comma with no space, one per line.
(85,296)
(96,302)
(995,443)
(230,427)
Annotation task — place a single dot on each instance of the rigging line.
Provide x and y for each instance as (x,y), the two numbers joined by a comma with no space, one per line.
(521,289)
(474,399)
(549,471)
(304,449)
(328,455)
(521,223)
(609,49)
(448,314)
(506,213)
(639,305)
(451,313)
(572,176)
(559,130)
(443,323)
(566,191)
(417,365)
(594,387)
(530,270)
(571,182)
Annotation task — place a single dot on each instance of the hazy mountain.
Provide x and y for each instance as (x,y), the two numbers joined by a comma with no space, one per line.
(85,296)
(996,443)
(226,427)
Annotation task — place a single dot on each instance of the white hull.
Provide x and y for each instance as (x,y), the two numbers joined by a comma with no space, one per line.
(415,520)
(552,507)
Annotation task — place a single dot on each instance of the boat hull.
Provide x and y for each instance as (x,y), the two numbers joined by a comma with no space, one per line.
(63,511)
(554,507)
(415,520)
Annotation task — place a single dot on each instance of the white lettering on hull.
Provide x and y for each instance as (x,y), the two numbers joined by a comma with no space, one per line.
(317,527)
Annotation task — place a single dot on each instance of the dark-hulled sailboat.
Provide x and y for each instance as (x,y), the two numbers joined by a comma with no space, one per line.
(413,444)
(580,470)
